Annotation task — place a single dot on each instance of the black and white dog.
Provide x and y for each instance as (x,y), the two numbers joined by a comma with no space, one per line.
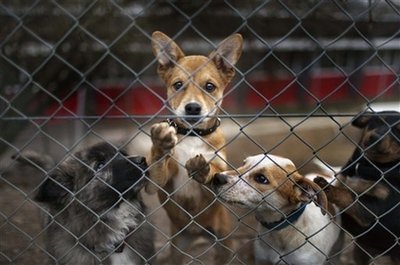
(94,207)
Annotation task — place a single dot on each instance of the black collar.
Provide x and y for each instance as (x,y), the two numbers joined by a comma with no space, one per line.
(359,166)
(286,220)
(194,131)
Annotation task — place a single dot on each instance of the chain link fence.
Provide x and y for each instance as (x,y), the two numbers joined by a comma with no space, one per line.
(78,72)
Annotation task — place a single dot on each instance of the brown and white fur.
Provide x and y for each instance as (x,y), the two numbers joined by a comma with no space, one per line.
(195,86)
(272,187)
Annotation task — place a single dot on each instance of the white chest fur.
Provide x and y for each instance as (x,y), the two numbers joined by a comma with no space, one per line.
(308,247)
(189,147)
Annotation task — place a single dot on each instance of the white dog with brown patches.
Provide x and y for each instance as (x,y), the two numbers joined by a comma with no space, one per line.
(291,229)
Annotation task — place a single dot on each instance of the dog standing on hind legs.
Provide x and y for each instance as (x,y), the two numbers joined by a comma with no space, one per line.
(195,86)
(368,192)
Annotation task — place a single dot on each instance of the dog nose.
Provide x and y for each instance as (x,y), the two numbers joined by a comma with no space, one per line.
(193,109)
(220,179)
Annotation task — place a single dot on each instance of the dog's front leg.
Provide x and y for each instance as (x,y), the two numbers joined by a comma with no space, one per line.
(164,139)
(203,172)
(346,199)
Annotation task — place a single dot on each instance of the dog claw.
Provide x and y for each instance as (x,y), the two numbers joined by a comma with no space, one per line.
(198,168)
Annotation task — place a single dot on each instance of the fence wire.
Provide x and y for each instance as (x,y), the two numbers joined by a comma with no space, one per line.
(79,92)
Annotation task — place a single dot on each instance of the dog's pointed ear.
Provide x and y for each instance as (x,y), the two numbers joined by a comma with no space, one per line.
(54,188)
(227,54)
(307,190)
(361,120)
(36,160)
(166,51)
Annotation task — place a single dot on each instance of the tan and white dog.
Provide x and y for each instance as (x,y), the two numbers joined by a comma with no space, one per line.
(195,86)
(291,229)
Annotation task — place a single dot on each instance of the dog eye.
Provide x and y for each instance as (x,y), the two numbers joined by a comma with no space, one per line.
(178,85)
(99,165)
(260,178)
(210,87)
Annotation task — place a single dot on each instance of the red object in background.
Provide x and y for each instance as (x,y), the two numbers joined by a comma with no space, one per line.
(229,102)
(109,102)
(143,101)
(328,87)
(376,83)
(278,90)
(117,100)
(68,107)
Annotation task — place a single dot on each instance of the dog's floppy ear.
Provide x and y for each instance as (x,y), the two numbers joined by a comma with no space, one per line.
(166,51)
(54,188)
(33,159)
(227,54)
(308,190)
(361,120)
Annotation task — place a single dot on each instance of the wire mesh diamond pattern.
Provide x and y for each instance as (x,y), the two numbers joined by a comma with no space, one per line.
(81,86)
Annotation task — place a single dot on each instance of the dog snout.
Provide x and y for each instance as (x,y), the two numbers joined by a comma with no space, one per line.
(126,167)
(220,179)
(193,109)
(128,172)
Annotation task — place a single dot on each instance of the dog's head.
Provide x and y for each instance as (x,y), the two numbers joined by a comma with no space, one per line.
(99,177)
(380,138)
(270,183)
(195,84)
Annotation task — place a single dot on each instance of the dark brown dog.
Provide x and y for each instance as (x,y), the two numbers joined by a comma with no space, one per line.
(95,211)
(370,191)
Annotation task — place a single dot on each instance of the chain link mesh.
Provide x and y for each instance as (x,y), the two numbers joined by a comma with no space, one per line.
(77,72)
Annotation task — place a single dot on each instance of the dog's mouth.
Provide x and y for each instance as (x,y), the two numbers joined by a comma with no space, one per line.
(192,119)
(230,201)
(191,122)
(236,203)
